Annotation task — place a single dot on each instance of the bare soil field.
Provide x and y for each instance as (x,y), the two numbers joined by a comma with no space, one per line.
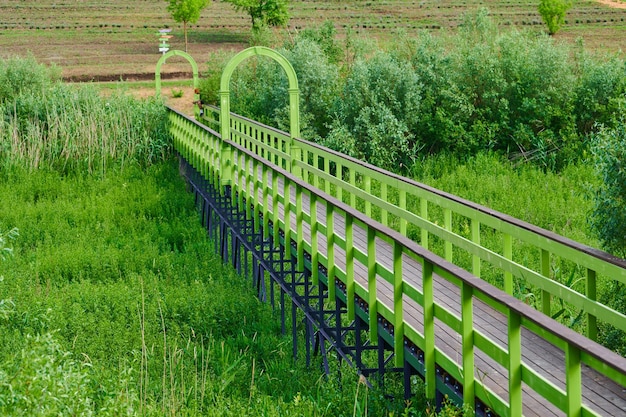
(117,40)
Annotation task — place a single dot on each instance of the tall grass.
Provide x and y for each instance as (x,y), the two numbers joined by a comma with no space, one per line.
(118,305)
(45,123)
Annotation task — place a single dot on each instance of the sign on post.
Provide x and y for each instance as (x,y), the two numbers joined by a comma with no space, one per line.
(164,38)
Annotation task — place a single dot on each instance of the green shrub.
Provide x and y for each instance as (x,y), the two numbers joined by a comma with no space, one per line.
(609,216)
(209,85)
(24,75)
(515,92)
(600,92)
(44,381)
(380,106)
(553,13)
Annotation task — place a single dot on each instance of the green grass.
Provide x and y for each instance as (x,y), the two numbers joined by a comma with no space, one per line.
(559,202)
(114,303)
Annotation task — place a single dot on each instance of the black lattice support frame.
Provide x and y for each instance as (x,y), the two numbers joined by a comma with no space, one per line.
(273,267)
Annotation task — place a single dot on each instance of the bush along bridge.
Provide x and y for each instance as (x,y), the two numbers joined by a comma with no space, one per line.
(389,275)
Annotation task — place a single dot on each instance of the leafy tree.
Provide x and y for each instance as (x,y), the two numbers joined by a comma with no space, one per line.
(186,11)
(263,12)
(553,13)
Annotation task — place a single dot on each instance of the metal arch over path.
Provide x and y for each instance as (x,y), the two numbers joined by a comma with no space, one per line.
(294,99)
(388,273)
(194,68)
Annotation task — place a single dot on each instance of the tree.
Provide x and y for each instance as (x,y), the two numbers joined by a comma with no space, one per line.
(553,13)
(186,11)
(263,12)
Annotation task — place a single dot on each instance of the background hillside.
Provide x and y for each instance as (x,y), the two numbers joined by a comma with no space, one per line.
(116,39)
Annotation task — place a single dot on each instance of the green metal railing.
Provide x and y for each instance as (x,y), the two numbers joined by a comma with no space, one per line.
(262,187)
(521,257)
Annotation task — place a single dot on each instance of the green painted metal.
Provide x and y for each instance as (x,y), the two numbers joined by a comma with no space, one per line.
(372,301)
(398,291)
(428,306)
(467,342)
(294,102)
(350,285)
(515,364)
(194,68)
(342,184)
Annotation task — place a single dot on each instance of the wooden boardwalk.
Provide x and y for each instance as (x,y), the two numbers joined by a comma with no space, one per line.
(543,364)
(599,393)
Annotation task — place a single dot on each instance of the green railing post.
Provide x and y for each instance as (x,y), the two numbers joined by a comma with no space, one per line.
(266,217)
(226,153)
(546,308)
(424,215)
(592,325)
(475,225)
(350,267)
(314,240)
(508,254)
(447,224)
(299,229)
(383,196)
(287,215)
(515,364)
(402,204)
(330,249)
(429,330)
(275,213)
(371,283)
(467,342)
(294,114)
(573,381)
(398,312)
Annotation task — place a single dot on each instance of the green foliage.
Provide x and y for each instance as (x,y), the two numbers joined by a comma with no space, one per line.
(553,13)
(325,37)
(518,93)
(263,12)
(6,305)
(121,307)
(608,218)
(379,105)
(600,91)
(609,215)
(209,84)
(24,76)
(5,237)
(186,11)
(44,380)
(69,127)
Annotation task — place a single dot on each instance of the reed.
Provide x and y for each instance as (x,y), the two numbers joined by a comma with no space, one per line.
(48,124)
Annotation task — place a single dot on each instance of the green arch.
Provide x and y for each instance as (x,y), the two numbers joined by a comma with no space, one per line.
(194,67)
(294,91)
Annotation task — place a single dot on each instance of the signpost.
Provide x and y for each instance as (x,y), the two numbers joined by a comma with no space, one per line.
(164,38)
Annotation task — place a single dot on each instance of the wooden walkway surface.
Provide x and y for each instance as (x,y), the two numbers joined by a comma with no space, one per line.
(599,393)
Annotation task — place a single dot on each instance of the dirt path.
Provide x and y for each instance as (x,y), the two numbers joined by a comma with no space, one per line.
(612,3)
